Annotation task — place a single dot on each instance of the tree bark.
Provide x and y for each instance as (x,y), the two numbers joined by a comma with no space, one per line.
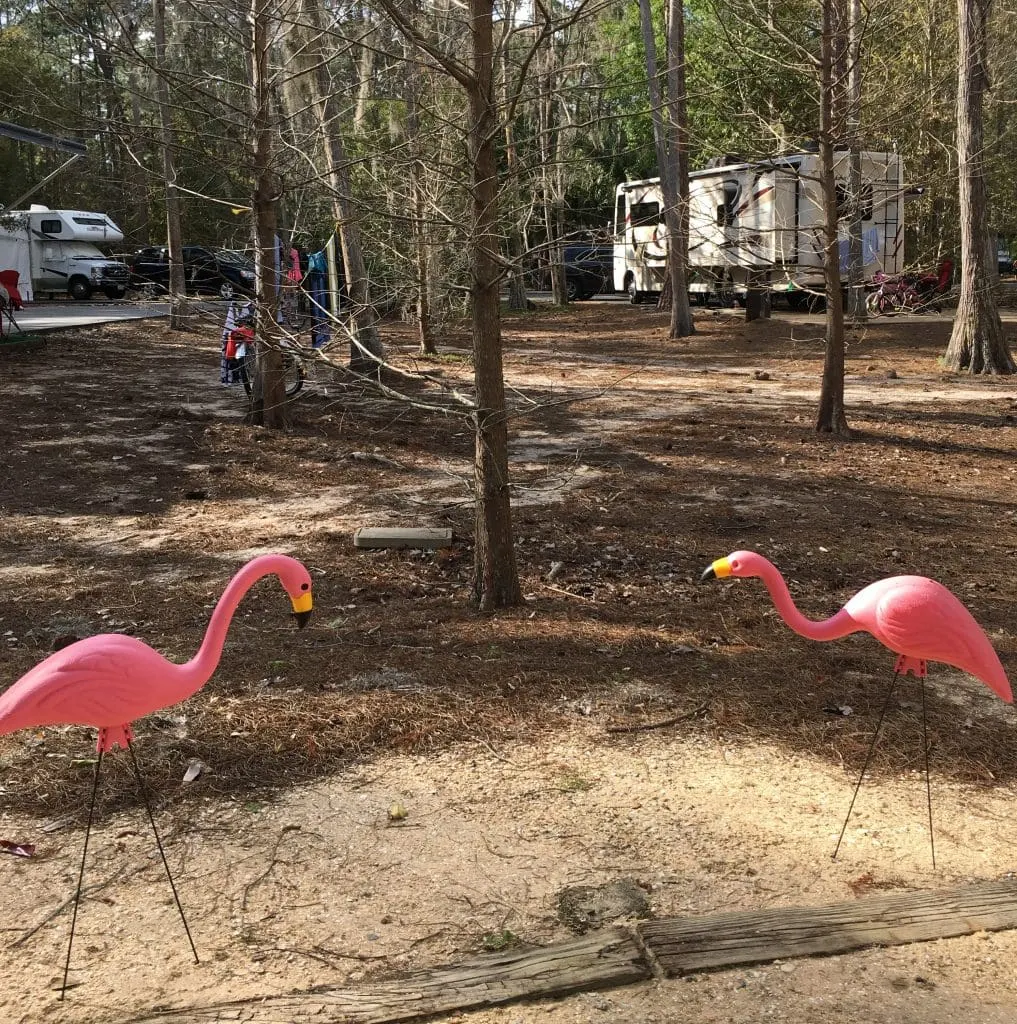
(421,261)
(268,405)
(174,238)
(856,256)
(366,347)
(668,162)
(496,581)
(681,325)
(831,417)
(977,343)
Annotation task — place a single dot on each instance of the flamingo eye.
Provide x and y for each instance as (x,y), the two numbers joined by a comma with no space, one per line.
(305,586)
(736,564)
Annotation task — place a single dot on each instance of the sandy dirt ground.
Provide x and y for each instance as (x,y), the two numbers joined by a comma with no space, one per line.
(131,490)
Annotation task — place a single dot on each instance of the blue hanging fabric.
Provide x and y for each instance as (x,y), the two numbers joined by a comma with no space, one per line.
(317,286)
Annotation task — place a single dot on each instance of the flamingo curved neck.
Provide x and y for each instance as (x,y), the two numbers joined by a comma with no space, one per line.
(205,662)
(833,628)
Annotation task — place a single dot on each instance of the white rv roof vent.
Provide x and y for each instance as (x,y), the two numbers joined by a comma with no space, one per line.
(38,208)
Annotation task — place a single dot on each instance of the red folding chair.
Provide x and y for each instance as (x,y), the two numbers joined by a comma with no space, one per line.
(10,299)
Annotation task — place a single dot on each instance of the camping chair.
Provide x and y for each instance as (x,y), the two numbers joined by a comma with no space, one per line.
(10,300)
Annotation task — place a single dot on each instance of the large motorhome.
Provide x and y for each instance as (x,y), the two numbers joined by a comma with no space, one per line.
(760,223)
(56,251)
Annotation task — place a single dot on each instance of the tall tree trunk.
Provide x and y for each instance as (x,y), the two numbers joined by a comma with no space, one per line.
(421,261)
(548,135)
(831,417)
(856,255)
(681,325)
(174,239)
(496,580)
(977,343)
(268,407)
(667,161)
(139,198)
(366,74)
(517,298)
(366,348)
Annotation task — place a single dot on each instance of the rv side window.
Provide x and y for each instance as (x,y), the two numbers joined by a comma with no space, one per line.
(642,214)
(619,215)
(51,227)
(94,222)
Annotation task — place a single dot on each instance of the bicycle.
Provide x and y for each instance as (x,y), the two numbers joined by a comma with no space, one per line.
(294,372)
(909,293)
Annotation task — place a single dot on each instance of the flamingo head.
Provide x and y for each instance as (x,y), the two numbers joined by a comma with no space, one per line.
(296,581)
(738,563)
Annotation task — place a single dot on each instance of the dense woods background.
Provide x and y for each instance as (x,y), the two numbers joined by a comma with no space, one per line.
(572,114)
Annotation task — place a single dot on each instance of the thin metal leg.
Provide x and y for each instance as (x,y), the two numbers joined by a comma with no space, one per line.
(158,842)
(81,872)
(868,757)
(928,781)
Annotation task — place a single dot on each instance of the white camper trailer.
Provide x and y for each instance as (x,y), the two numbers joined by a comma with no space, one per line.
(759,223)
(62,254)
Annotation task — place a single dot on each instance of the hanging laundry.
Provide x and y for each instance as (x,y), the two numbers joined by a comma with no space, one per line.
(229,370)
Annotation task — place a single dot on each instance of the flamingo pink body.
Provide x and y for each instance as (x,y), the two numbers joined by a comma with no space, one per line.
(915,617)
(110,680)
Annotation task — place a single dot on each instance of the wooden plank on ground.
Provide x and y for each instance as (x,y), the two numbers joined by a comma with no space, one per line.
(598,960)
(681,945)
(402,537)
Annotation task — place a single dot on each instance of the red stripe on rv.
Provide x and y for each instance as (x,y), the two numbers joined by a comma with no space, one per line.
(748,202)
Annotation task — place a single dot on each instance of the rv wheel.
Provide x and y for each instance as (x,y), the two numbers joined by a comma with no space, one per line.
(635,295)
(79,288)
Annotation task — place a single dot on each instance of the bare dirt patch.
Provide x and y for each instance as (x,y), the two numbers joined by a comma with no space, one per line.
(131,490)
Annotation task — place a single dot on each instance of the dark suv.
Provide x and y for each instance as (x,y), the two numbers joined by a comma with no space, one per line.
(219,272)
(589,270)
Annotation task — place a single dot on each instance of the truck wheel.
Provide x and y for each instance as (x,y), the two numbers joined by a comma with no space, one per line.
(79,288)
(226,290)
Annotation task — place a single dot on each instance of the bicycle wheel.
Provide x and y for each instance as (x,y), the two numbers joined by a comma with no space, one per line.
(293,372)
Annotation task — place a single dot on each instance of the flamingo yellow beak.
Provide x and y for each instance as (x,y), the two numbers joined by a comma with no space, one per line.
(302,608)
(717,571)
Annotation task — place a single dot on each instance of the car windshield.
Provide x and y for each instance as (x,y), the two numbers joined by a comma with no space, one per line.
(238,259)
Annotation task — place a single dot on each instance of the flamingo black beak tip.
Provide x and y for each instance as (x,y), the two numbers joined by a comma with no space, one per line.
(302,618)
(708,574)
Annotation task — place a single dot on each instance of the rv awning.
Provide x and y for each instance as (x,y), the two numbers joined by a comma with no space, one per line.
(19,134)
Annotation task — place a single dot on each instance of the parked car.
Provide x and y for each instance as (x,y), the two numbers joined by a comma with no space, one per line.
(1007,265)
(221,272)
(589,270)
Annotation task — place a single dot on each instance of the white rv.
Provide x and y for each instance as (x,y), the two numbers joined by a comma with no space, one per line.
(760,221)
(56,251)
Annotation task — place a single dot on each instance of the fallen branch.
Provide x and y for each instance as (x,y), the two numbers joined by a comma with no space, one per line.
(663,724)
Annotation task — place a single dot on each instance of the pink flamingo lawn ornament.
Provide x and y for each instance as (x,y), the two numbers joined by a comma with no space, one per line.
(110,680)
(915,617)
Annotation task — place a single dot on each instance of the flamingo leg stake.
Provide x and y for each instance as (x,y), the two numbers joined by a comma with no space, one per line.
(865,765)
(158,842)
(81,871)
(928,780)
(915,617)
(110,680)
